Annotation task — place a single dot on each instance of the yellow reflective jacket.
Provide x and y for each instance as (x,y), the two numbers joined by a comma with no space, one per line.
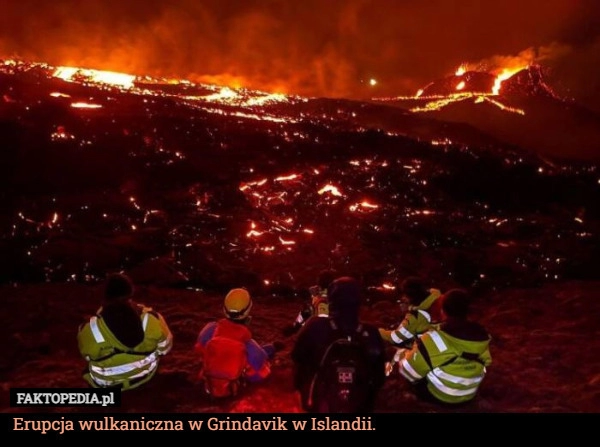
(452,367)
(111,363)
(318,307)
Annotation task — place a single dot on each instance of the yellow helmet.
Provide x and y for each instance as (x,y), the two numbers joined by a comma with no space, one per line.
(237,304)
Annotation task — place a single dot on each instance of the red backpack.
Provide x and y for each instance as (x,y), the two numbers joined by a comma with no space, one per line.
(224,363)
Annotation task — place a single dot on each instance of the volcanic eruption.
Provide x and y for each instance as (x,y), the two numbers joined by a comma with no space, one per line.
(192,188)
(496,102)
(108,170)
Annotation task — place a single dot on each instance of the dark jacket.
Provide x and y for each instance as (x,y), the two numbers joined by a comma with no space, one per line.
(318,332)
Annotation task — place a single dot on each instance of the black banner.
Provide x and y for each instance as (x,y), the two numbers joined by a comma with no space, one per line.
(70,425)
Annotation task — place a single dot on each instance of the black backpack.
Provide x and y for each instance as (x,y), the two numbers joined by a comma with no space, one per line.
(342,383)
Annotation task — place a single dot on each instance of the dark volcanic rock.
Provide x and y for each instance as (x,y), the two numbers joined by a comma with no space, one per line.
(529,81)
(191,191)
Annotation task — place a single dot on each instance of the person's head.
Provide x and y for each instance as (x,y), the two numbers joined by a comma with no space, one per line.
(344,296)
(414,290)
(118,288)
(455,304)
(237,305)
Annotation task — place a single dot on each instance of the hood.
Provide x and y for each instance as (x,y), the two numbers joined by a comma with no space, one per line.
(124,322)
(343,296)
(467,336)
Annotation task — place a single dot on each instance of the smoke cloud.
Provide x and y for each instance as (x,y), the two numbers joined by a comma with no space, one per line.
(311,48)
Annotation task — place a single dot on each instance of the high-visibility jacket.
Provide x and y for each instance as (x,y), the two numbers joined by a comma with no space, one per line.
(417,320)
(452,367)
(318,307)
(111,363)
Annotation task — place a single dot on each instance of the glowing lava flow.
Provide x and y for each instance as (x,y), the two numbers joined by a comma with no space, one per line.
(437,102)
(212,94)
(224,95)
(95,76)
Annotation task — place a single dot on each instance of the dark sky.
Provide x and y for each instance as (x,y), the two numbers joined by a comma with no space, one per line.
(312,47)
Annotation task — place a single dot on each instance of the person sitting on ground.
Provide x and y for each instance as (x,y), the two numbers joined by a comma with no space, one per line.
(316,336)
(422,311)
(230,356)
(448,364)
(124,342)
(318,305)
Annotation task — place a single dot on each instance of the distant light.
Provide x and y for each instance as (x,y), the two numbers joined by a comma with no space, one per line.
(372,82)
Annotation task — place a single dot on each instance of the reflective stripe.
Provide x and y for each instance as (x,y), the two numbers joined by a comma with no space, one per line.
(400,352)
(98,334)
(103,382)
(437,339)
(456,379)
(404,335)
(408,371)
(127,367)
(96,330)
(165,346)
(426,315)
(447,390)
(323,314)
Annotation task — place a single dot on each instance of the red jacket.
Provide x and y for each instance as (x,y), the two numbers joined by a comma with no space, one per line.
(255,362)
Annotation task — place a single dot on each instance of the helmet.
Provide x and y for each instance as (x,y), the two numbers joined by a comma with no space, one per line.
(237,304)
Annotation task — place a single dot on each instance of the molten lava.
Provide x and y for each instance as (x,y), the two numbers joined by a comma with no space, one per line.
(462,86)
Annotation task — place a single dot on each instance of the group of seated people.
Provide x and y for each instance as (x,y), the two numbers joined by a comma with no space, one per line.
(436,347)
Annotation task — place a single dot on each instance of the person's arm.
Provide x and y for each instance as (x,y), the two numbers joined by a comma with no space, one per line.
(415,365)
(434,294)
(159,330)
(88,348)
(204,335)
(301,318)
(259,366)
(302,356)
(486,357)
(404,333)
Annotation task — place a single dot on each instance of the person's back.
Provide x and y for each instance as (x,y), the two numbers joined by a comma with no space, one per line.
(230,355)
(449,363)
(124,341)
(316,337)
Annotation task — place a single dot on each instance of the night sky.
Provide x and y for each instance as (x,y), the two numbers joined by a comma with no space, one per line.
(313,47)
